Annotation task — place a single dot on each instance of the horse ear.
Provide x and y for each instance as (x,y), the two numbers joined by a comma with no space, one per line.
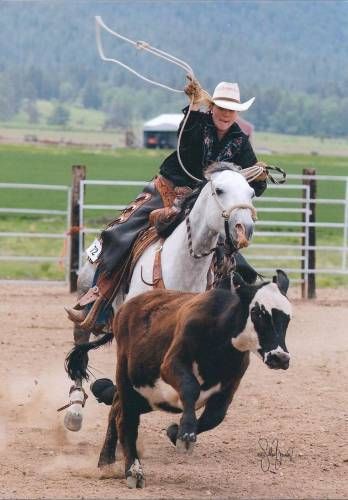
(282,280)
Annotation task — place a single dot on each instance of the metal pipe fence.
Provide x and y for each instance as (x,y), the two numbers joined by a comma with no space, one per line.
(282,236)
(283,231)
(38,214)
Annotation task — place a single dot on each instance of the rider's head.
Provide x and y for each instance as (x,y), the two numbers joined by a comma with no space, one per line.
(226,103)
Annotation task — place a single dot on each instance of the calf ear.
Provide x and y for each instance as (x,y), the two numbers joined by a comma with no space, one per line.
(237,280)
(242,288)
(282,281)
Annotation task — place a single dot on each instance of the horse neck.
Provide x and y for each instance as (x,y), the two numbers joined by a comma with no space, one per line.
(180,270)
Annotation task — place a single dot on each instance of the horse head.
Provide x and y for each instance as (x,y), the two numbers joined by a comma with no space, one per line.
(229,198)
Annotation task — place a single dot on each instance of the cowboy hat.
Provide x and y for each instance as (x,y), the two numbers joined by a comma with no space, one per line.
(226,95)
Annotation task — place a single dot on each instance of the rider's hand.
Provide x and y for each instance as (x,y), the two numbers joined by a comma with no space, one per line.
(192,88)
(263,175)
(161,215)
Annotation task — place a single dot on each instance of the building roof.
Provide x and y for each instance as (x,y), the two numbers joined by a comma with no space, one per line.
(164,123)
(170,122)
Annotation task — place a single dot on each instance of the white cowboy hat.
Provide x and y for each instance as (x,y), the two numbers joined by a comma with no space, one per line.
(226,95)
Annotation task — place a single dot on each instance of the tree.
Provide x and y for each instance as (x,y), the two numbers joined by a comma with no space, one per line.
(30,108)
(59,116)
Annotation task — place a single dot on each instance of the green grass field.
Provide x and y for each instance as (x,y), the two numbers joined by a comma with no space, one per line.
(48,165)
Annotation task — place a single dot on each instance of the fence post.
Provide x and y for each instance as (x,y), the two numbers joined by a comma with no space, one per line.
(79,174)
(310,292)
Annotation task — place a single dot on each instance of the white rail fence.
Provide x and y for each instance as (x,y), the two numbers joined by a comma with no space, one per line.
(11,214)
(286,231)
(298,231)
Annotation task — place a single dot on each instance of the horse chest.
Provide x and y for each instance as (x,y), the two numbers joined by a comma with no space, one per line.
(162,396)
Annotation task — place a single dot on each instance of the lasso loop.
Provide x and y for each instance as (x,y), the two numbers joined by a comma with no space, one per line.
(250,173)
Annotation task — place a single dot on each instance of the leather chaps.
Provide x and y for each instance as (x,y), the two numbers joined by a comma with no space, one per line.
(119,236)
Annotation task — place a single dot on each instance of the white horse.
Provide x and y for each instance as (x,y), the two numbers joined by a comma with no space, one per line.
(186,255)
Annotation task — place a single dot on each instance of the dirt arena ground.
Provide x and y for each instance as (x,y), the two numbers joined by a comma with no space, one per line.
(304,410)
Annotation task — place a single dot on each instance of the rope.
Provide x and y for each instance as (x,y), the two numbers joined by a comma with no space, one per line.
(141,46)
(250,173)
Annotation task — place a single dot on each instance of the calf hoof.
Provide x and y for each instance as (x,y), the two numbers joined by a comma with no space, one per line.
(172,433)
(135,475)
(186,442)
(73,421)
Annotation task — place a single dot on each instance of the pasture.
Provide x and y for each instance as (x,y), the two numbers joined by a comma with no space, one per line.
(304,410)
(48,165)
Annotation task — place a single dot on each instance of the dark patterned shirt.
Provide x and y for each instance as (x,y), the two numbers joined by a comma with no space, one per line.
(200,147)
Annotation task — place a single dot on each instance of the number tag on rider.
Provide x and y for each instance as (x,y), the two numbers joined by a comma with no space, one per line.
(93,251)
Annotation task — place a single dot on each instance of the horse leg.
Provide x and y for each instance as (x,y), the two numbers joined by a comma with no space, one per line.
(77,396)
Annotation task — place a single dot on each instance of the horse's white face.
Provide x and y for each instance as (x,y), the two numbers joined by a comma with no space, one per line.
(225,190)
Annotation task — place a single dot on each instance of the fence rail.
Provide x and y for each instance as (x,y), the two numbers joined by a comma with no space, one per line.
(27,235)
(304,234)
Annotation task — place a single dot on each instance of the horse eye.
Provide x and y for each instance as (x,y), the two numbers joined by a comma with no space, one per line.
(219,191)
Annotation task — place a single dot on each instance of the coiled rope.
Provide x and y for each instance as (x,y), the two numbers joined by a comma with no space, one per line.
(250,173)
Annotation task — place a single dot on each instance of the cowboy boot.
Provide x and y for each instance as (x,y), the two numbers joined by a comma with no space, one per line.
(76,315)
(79,313)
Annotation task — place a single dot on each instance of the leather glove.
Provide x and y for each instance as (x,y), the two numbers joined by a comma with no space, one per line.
(194,89)
(162,215)
(263,175)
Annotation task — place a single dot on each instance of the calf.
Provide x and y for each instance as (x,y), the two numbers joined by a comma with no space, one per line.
(180,351)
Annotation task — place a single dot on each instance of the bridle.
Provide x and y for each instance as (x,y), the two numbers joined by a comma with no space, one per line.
(229,246)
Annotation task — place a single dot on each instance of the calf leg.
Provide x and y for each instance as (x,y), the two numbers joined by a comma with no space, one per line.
(127,421)
(182,379)
(213,414)
(108,452)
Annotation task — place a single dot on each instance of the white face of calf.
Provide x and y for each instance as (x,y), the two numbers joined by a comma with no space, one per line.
(270,313)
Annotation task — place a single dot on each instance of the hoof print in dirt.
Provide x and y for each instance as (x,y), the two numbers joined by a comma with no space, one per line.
(107,471)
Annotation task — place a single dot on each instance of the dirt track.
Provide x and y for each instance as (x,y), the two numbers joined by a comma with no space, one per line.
(305,409)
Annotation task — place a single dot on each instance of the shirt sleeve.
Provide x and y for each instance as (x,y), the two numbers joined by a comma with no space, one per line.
(246,157)
(194,120)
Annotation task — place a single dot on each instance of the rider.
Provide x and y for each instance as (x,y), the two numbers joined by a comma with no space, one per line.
(208,136)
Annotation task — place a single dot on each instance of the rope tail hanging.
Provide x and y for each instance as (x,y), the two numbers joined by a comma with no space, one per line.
(250,173)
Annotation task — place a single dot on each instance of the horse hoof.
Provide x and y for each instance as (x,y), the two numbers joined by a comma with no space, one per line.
(73,421)
(135,482)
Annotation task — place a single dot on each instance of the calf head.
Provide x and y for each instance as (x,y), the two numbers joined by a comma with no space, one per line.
(270,313)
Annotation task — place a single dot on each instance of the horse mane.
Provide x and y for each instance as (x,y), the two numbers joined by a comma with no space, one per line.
(220,166)
(165,229)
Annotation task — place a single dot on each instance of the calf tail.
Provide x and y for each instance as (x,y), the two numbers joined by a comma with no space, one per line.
(76,362)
